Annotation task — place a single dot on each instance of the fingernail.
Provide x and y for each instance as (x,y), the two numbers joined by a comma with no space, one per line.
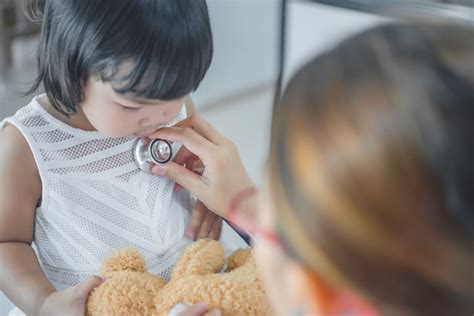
(104,279)
(158,171)
(200,307)
(216,312)
(190,233)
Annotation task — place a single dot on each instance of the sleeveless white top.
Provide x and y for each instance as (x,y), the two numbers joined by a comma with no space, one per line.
(95,200)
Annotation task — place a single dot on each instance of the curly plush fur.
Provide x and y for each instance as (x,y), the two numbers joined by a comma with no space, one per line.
(130,290)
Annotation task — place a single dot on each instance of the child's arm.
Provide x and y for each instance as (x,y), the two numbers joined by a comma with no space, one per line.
(21,277)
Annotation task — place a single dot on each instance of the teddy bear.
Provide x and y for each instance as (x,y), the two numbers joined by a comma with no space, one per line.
(202,274)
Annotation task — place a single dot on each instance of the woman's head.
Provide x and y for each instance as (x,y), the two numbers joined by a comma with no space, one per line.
(371,171)
(153,50)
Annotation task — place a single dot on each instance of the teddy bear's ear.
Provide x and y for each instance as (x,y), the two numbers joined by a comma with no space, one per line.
(123,260)
(239,258)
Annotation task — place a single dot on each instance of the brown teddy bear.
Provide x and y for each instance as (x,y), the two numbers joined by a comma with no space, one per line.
(130,290)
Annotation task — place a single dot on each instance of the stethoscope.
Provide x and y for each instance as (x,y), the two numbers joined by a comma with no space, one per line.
(149,152)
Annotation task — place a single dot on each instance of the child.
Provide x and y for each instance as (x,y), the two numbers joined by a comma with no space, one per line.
(112,71)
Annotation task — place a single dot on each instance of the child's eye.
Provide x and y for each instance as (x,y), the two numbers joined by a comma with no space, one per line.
(127,108)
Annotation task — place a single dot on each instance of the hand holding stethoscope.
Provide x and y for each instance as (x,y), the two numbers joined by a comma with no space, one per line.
(208,164)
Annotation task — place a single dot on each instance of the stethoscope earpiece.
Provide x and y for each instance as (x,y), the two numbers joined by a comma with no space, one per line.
(151,152)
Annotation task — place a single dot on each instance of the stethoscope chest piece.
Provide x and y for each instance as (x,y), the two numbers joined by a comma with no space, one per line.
(151,152)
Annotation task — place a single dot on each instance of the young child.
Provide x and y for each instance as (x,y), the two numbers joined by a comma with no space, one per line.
(112,71)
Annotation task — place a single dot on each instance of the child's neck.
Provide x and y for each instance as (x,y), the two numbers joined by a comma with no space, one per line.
(78,120)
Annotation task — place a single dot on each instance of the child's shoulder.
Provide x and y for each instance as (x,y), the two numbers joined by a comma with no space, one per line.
(14,147)
(18,171)
(22,114)
(21,186)
(15,152)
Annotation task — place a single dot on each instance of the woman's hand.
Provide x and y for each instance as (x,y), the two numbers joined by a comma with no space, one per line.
(203,223)
(71,301)
(200,310)
(208,165)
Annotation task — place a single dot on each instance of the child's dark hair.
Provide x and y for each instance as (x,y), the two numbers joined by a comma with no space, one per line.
(155,49)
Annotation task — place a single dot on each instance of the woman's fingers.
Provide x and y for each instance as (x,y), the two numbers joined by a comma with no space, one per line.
(206,225)
(203,223)
(198,215)
(190,139)
(199,309)
(214,312)
(209,165)
(216,229)
(180,175)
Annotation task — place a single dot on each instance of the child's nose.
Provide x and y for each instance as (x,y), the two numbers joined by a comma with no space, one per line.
(144,121)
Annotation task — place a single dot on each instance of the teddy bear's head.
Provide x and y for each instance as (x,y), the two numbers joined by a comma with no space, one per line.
(201,275)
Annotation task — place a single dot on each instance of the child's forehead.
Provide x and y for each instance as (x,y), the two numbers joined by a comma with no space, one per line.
(115,88)
(120,80)
(130,96)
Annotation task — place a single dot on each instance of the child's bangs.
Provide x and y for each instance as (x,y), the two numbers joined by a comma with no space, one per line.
(161,66)
(150,80)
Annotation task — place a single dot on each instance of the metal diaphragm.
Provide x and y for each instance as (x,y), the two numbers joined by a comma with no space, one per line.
(151,152)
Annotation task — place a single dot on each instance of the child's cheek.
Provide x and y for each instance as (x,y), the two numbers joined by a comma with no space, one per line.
(172,111)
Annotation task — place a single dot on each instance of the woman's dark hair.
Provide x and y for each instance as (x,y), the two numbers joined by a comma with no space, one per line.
(155,49)
(372,168)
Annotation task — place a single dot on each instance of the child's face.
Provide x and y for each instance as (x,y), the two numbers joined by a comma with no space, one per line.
(116,115)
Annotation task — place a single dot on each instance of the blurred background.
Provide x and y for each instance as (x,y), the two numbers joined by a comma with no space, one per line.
(237,93)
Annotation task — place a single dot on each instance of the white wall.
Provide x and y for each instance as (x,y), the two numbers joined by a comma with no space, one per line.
(245,38)
(315,28)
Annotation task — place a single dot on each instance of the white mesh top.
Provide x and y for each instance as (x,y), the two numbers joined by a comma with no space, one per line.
(95,200)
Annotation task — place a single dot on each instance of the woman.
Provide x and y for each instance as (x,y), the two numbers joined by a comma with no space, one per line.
(368,203)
